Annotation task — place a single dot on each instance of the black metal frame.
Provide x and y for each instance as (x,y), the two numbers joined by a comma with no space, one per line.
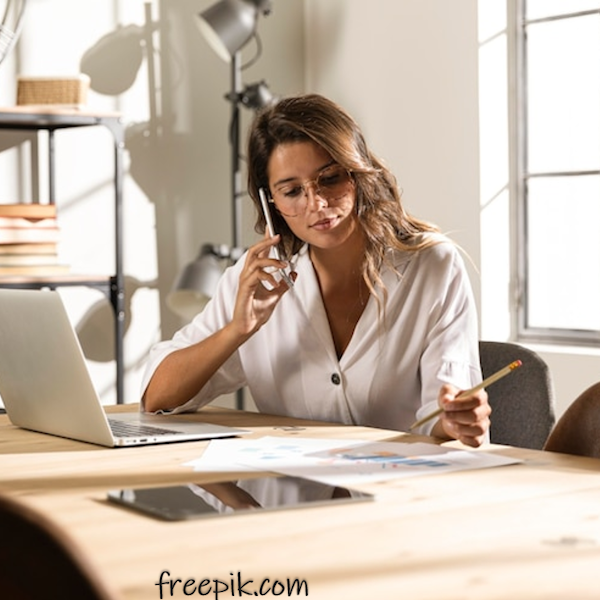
(112,286)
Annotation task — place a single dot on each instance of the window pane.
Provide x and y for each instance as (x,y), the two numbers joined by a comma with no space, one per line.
(537,9)
(564,252)
(564,95)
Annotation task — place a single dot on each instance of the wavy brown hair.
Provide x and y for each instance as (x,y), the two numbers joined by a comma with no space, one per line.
(381,215)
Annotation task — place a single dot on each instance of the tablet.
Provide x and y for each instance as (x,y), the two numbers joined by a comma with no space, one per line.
(233,497)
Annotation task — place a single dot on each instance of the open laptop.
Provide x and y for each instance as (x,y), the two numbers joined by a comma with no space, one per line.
(46,386)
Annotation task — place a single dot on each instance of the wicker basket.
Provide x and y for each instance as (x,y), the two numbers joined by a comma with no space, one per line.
(70,91)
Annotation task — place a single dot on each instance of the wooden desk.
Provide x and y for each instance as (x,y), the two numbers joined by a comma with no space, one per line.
(520,532)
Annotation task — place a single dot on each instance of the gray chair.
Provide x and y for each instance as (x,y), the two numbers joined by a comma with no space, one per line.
(523,402)
(578,429)
(39,560)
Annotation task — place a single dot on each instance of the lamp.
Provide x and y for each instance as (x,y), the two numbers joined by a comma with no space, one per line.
(222,23)
(10,26)
(197,282)
(257,96)
(228,25)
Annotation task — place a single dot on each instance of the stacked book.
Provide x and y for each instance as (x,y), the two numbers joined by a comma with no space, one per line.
(29,237)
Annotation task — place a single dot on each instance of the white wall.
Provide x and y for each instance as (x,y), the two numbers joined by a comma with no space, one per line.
(407,71)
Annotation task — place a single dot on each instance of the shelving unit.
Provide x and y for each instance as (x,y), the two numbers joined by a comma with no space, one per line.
(51,119)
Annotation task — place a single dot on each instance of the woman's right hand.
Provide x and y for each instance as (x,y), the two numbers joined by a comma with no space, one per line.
(255,302)
(183,373)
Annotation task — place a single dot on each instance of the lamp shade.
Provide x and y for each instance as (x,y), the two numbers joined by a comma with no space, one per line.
(229,25)
(257,95)
(196,284)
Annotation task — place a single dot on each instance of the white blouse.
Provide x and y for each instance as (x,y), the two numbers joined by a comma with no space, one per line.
(390,373)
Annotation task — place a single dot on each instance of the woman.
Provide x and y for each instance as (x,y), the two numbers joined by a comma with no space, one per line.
(379,326)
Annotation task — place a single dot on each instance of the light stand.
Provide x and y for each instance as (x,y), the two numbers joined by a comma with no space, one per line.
(228,26)
(254,96)
(196,283)
(236,172)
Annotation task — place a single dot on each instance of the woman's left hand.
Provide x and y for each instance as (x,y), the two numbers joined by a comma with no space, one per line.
(465,419)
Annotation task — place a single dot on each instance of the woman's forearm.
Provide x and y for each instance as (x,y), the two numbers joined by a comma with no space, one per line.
(183,373)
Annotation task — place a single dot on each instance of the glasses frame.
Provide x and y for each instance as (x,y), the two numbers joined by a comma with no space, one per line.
(316,189)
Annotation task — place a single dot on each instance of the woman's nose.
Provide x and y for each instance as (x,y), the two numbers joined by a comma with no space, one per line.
(314,200)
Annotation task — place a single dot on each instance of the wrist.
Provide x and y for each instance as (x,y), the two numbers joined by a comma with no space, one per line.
(439,432)
(234,335)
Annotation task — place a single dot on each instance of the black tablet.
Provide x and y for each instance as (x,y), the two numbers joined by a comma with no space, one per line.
(193,501)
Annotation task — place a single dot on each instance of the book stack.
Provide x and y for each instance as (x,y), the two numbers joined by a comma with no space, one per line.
(29,237)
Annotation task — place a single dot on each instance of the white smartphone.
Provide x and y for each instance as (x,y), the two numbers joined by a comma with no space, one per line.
(271,231)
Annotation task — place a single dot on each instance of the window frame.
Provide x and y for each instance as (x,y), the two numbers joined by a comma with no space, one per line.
(524,331)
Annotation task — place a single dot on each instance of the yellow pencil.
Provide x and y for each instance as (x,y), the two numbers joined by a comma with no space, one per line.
(485,383)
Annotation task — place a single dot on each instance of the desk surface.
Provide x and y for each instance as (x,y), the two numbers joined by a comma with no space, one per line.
(523,531)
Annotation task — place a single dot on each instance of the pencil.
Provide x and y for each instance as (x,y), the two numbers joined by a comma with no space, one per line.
(485,383)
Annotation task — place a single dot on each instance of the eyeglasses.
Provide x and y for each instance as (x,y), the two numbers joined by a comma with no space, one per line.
(332,183)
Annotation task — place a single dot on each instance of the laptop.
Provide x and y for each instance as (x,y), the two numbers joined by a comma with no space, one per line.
(46,387)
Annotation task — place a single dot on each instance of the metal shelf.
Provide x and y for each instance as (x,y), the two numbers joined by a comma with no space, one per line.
(50,119)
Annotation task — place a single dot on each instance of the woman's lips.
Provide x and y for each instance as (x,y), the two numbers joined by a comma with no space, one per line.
(324,224)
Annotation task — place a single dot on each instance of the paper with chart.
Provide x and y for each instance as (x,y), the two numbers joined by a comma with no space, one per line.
(233,455)
(335,463)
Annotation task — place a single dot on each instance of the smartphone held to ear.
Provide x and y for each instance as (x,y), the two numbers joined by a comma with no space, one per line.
(281,273)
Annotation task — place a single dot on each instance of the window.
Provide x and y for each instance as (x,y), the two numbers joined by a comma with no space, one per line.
(558,126)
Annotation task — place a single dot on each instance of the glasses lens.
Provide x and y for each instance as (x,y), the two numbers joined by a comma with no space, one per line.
(332,183)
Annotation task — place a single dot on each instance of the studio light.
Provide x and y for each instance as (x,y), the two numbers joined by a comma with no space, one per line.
(197,283)
(229,25)
(221,24)
(257,95)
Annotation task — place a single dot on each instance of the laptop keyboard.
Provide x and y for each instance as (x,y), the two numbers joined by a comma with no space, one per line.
(124,429)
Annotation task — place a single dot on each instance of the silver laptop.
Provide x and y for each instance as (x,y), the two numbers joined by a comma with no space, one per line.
(46,386)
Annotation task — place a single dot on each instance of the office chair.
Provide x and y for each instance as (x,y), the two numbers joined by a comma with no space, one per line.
(38,560)
(578,429)
(523,402)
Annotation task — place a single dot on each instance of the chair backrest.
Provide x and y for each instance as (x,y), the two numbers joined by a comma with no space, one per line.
(578,429)
(38,560)
(523,402)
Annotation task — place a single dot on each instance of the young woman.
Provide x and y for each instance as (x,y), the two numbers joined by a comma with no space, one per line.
(379,327)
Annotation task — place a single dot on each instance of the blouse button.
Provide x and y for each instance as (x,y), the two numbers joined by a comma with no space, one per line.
(336,379)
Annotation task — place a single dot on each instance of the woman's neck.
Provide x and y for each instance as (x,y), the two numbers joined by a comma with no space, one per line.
(342,264)
(343,289)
